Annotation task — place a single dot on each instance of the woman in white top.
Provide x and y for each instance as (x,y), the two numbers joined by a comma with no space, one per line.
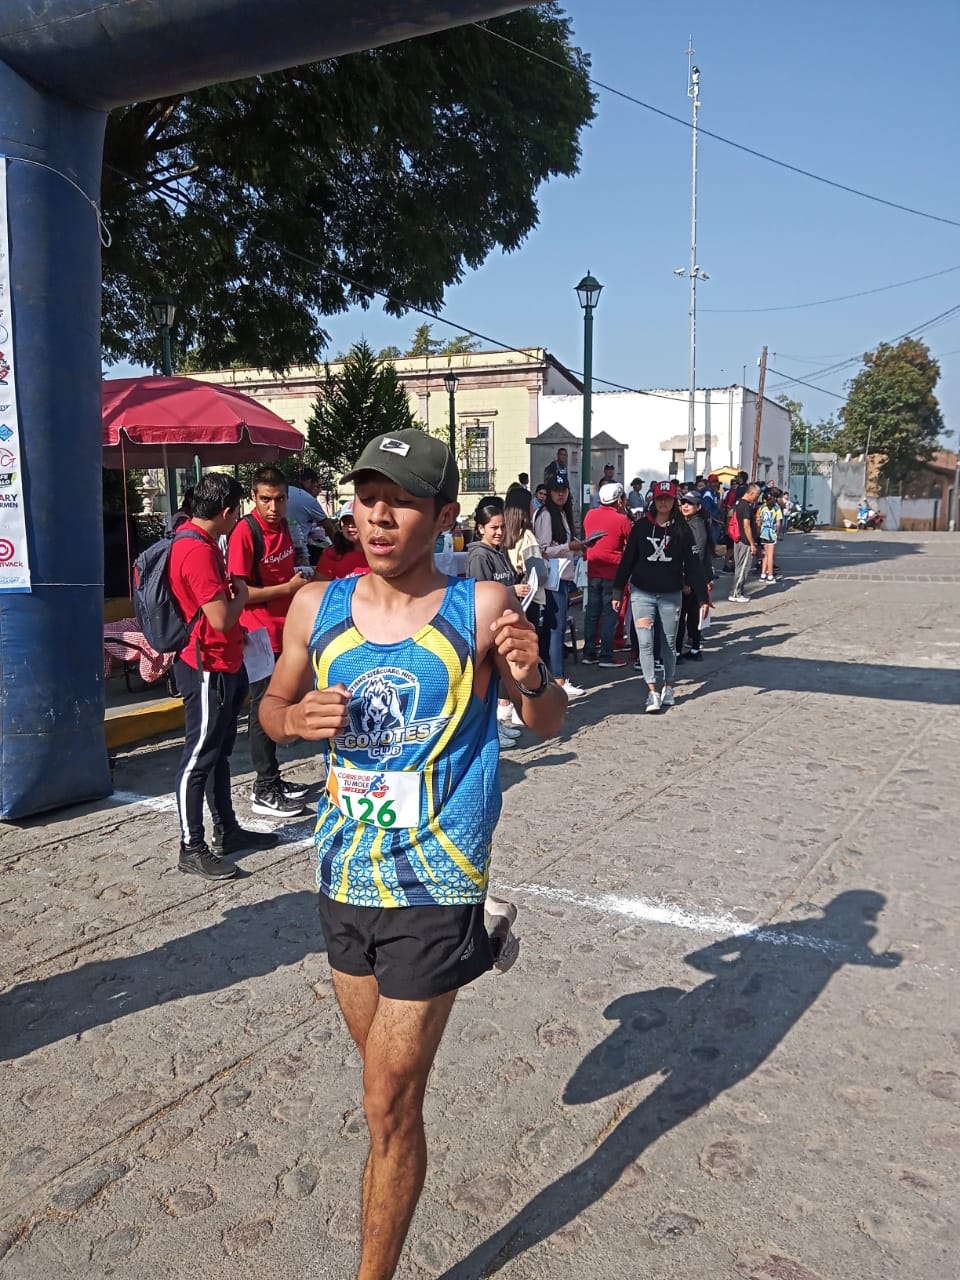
(553,529)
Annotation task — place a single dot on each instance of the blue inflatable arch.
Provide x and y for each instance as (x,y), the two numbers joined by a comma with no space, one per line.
(63,65)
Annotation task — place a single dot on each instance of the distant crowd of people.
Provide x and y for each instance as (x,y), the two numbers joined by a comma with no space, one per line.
(644,558)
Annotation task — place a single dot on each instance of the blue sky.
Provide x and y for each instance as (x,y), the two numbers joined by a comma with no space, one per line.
(863,94)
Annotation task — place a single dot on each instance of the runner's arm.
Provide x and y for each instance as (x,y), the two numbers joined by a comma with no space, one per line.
(505,635)
(291,707)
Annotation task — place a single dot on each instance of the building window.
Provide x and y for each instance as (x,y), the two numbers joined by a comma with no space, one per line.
(478,477)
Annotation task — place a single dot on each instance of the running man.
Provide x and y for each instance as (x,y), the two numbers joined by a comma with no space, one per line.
(396,674)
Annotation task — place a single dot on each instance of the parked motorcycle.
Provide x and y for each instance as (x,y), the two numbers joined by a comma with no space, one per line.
(871,520)
(805,521)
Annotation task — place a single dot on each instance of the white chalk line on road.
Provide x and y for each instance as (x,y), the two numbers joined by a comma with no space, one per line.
(650,912)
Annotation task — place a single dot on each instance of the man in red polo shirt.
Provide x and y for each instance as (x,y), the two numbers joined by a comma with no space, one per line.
(261,553)
(211,678)
(603,560)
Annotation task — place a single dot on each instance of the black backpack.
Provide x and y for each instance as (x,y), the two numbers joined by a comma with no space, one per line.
(158,614)
(259,547)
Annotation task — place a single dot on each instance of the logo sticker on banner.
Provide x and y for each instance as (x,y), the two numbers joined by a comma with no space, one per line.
(14,566)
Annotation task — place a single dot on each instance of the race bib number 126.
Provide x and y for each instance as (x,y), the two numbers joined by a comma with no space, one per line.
(385,799)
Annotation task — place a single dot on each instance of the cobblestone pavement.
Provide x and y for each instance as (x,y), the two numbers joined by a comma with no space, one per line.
(731,1046)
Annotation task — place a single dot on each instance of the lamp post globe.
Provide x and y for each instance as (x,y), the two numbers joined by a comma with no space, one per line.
(451,382)
(588,293)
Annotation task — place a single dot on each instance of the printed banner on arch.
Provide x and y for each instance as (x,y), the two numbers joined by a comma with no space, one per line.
(14,565)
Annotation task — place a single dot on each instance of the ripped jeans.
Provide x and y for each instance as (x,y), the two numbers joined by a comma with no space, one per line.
(646,607)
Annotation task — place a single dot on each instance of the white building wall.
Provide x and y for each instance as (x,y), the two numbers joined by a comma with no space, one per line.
(654,427)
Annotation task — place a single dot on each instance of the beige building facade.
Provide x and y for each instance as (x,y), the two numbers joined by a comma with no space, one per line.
(497,404)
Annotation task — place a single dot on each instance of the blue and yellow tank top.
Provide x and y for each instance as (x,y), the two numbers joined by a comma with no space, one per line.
(412,710)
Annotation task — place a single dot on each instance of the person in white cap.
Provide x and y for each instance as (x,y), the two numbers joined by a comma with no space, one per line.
(603,559)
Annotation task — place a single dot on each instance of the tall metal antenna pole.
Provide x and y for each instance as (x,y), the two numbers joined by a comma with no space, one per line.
(693,92)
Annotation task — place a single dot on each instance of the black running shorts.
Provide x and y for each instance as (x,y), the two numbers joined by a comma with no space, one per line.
(415,953)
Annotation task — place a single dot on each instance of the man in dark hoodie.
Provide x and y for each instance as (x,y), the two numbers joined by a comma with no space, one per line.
(661,566)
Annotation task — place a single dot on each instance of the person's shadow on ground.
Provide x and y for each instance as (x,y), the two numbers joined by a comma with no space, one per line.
(251,940)
(703,1041)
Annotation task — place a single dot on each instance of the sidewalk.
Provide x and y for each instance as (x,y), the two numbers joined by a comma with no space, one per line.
(730,1047)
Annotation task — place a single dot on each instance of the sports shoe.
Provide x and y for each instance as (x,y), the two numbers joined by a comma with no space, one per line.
(681,657)
(590,660)
(666,697)
(240,840)
(293,790)
(658,667)
(638,665)
(695,655)
(741,599)
(499,919)
(197,860)
(572,691)
(653,702)
(508,730)
(271,801)
(506,739)
(771,579)
(611,664)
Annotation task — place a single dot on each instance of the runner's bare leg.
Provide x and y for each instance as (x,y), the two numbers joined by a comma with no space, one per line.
(401,1044)
(358,998)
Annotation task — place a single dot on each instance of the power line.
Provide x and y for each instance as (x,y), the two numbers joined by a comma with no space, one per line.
(843,297)
(738,146)
(802,383)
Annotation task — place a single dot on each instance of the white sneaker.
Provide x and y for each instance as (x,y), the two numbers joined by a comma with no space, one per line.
(572,691)
(516,720)
(499,919)
(653,702)
(666,697)
(771,579)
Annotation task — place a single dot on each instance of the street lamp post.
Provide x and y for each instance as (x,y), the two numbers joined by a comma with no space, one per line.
(694,273)
(164,310)
(588,292)
(451,382)
(806,464)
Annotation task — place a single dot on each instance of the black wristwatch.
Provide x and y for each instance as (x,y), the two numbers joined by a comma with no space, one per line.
(544,681)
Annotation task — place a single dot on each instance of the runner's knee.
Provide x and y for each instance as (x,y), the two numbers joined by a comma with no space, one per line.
(392,1104)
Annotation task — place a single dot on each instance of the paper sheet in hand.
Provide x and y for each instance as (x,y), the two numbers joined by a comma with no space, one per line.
(258,655)
(536,568)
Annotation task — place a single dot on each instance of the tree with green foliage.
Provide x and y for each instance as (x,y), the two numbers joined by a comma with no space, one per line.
(823,434)
(891,408)
(423,343)
(263,205)
(461,345)
(364,399)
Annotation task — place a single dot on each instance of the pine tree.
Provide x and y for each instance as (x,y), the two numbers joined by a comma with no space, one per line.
(363,400)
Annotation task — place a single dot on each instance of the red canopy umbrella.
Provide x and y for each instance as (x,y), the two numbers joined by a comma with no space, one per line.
(170,421)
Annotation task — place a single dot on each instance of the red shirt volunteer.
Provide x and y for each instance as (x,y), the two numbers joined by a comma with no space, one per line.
(346,564)
(603,557)
(276,568)
(197,574)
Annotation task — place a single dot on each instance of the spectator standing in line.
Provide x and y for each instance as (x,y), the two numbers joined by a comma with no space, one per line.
(261,553)
(344,558)
(603,560)
(553,527)
(488,562)
(211,678)
(608,477)
(518,538)
(404,832)
(303,509)
(661,567)
(185,510)
(557,470)
(539,497)
(636,501)
(744,542)
(691,508)
(769,520)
